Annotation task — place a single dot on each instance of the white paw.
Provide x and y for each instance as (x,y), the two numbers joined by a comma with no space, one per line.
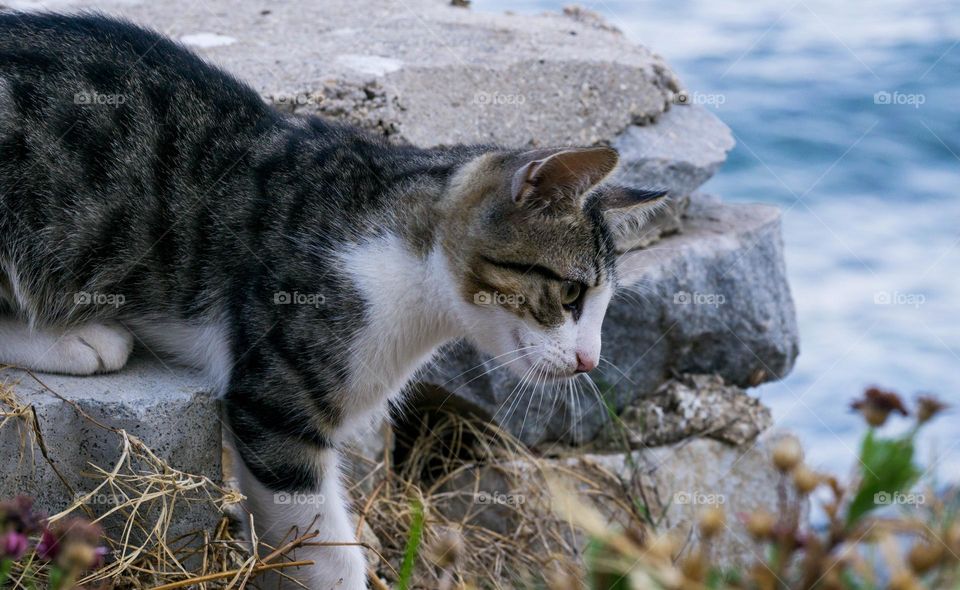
(94,348)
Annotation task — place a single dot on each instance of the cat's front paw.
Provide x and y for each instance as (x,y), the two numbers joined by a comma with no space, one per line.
(94,348)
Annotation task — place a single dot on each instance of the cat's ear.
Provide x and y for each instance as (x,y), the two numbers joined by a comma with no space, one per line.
(566,174)
(625,208)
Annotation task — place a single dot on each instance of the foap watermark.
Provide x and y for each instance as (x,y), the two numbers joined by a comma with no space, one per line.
(96,99)
(498,298)
(298,298)
(688,298)
(94,298)
(914,300)
(699,499)
(898,499)
(499,99)
(706,99)
(899,98)
(298,499)
(298,99)
(499,498)
(98,499)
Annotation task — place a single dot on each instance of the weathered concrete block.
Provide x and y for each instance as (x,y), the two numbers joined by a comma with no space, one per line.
(426,72)
(170,411)
(712,299)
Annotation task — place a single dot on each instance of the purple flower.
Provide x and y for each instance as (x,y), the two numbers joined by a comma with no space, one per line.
(18,515)
(49,545)
(13,545)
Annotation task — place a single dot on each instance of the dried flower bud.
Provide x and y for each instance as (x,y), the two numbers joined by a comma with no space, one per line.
(78,555)
(563,579)
(662,547)
(877,405)
(760,524)
(928,407)
(787,454)
(924,556)
(711,523)
(904,580)
(694,566)
(805,480)
(446,551)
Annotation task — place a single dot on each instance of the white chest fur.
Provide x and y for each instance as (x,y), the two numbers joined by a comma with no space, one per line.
(407,318)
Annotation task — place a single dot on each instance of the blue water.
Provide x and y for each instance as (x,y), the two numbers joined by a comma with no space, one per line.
(868,186)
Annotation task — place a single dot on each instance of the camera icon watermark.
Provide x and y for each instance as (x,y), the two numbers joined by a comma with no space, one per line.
(699,499)
(298,298)
(884,97)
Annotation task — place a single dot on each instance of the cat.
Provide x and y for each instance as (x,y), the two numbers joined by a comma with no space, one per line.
(308,268)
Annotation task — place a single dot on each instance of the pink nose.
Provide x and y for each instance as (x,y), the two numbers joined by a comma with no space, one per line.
(585,363)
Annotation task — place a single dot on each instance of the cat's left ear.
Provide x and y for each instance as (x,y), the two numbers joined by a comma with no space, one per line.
(565,175)
(623,206)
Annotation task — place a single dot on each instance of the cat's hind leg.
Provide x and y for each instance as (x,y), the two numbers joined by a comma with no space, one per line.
(81,350)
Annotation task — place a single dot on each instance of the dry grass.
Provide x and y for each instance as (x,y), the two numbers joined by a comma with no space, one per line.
(550,524)
(509,543)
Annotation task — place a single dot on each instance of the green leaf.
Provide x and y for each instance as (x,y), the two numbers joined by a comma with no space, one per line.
(600,575)
(886,469)
(413,546)
(5,566)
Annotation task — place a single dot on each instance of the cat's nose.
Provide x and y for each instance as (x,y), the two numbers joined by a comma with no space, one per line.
(585,363)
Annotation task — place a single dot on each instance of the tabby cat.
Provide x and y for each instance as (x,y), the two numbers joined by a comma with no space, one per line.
(307,267)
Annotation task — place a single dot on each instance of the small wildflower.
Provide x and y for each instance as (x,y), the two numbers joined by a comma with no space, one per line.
(928,407)
(877,405)
(73,544)
(18,515)
(13,545)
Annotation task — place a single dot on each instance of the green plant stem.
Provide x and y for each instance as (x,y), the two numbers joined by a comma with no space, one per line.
(413,546)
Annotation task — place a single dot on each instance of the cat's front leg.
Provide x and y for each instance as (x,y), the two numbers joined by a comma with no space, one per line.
(273,472)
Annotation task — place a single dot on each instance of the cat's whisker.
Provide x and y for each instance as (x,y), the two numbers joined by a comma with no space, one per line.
(482,363)
(519,385)
(538,387)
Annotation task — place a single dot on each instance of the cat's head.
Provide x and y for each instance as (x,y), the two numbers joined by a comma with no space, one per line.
(531,246)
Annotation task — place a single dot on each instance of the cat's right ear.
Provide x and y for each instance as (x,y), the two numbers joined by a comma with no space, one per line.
(563,176)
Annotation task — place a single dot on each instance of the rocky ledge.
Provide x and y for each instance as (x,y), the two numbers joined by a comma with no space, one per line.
(706,311)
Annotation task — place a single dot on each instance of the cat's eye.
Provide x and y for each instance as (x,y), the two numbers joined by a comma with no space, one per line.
(569,293)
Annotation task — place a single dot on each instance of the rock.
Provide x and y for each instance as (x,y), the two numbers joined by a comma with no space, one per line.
(680,152)
(713,299)
(169,411)
(687,477)
(672,483)
(692,406)
(426,72)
